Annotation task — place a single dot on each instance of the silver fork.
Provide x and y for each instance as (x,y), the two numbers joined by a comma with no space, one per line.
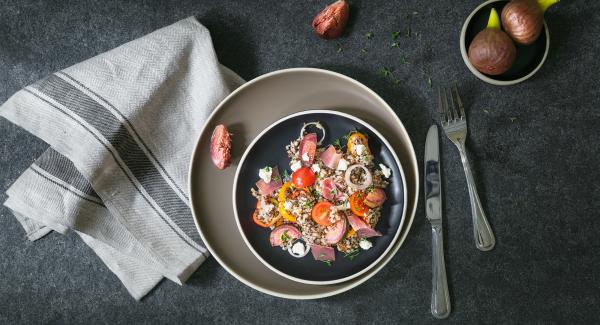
(454,123)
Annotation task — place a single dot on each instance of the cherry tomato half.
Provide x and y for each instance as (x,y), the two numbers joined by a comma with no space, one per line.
(320,213)
(357,204)
(303,177)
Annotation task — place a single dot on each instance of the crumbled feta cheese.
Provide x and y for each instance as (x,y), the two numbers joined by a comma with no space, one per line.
(360,149)
(342,165)
(365,244)
(316,168)
(268,208)
(305,157)
(265,174)
(298,248)
(296,165)
(344,206)
(287,205)
(385,170)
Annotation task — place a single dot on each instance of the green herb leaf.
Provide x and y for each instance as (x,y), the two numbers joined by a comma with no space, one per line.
(369,35)
(339,49)
(395,44)
(337,143)
(285,237)
(352,254)
(429,83)
(403,60)
(364,50)
(316,195)
(395,35)
(286,175)
(513,119)
(397,81)
(328,263)
(386,72)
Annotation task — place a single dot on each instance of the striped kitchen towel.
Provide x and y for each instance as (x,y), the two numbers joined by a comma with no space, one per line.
(121,127)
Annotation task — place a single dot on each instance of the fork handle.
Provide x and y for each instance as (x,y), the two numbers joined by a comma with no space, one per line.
(440,298)
(484,237)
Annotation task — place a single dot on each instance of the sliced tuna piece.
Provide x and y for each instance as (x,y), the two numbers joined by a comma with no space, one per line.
(268,188)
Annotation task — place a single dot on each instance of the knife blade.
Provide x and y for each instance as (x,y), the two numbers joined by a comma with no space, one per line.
(440,297)
(433,193)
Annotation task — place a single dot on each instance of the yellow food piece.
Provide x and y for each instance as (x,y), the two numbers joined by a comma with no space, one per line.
(350,233)
(545,4)
(286,215)
(494,20)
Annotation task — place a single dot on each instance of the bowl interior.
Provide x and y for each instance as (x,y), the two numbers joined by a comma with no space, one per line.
(529,57)
(269,150)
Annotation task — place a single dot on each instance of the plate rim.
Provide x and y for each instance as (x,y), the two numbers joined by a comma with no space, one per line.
(383,104)
(260,136)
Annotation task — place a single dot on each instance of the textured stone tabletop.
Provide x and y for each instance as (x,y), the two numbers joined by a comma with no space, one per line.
(535,151)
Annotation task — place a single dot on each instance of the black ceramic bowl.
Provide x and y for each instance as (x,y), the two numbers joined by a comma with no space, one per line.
(529,60)
(268,149)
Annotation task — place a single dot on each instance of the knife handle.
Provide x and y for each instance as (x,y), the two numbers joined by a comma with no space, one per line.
(440,298)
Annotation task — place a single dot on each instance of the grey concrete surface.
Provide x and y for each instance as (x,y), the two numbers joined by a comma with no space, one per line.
(534,147)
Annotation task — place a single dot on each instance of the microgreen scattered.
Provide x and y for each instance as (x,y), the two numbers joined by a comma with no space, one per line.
(386,72)
(285,237)
(352,254)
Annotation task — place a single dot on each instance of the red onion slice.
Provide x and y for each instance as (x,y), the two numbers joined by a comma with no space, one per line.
(318,126)
(362,186)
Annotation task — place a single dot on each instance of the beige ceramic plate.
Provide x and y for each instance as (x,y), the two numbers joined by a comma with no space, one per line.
(250,109)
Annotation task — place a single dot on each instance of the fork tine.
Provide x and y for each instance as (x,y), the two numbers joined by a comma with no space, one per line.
(460,105)
(453,106)
(441,109)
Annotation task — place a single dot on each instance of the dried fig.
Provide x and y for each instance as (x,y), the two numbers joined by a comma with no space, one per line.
(523,19)
(492,51)
(220,147)
(330,22)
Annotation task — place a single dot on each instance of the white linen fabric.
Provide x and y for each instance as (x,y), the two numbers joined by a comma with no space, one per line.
(121,128)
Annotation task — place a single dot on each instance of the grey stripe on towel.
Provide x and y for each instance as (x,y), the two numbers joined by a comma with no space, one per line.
(126,147)
(62,168)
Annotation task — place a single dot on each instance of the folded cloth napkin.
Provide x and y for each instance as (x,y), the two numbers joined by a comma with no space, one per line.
(121,127)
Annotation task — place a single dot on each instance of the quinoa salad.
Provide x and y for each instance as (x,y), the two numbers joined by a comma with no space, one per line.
(331,200)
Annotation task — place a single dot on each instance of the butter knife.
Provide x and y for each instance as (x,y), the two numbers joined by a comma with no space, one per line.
(440,299)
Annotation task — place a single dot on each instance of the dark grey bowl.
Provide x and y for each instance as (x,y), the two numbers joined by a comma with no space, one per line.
(530,58)
(268,149)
